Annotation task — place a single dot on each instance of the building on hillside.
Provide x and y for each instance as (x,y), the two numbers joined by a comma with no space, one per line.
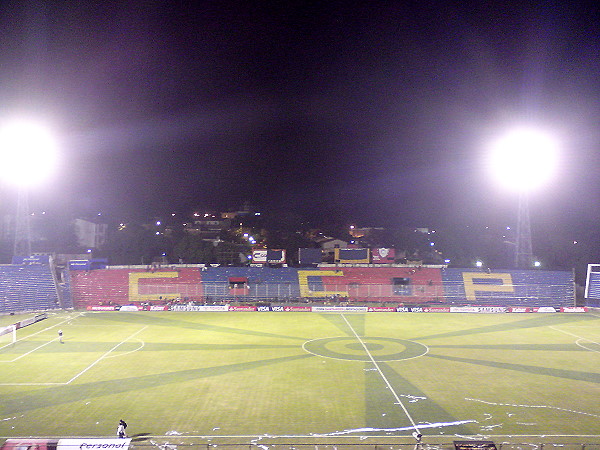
(90,234)
(359,232)
(369,236)
(246,210)
(328,246)
(208,227)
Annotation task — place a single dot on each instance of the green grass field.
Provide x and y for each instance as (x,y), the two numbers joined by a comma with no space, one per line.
(233,377)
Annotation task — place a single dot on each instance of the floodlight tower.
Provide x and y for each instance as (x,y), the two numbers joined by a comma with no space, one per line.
(523,249)
(22,244)
(27,155)
(523,159)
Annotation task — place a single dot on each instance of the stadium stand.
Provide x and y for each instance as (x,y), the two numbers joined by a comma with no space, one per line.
(64,288)
(36,284)
(235,283)
(122,286)
(27,288)
(401,285)
(384,284)
(511,288)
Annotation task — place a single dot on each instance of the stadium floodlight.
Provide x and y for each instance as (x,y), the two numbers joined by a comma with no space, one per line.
(27,157)
(27,152)
(522,160)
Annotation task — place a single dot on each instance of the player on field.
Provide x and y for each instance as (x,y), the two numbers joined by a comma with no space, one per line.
(121,429)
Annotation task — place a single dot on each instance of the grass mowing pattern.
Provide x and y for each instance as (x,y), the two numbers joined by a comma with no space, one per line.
(298,374)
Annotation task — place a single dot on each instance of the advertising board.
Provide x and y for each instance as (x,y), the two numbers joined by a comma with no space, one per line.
(352,255)
(383,255)
(339,309)
(242,308)
(94,444)
(129,308)
(204,308)
(574,309)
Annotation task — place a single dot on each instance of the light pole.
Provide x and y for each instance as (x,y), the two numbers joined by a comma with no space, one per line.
(22,244)
(523,249)
(27,156)
(523,160)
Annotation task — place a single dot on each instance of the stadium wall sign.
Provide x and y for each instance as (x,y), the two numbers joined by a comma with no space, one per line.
(204,308)
(67,444)
(437,309)
(94,444)
(242,308)
(339,309)
(471,309)
(129,308)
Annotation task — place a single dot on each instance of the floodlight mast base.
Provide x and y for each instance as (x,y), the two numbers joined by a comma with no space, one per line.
(523,249)
(22,245)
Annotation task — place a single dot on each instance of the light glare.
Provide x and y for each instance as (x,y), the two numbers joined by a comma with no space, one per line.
(27,153)
(524,159)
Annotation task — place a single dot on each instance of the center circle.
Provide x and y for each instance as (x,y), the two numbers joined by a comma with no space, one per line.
(379,349)
(368,345)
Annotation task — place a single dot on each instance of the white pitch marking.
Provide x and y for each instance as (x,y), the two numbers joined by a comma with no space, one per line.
(142,344)
(31,351)
(579,337)
(45,329)
(579,344)
(103,356)
(414,425)
(80,373)
(34,334)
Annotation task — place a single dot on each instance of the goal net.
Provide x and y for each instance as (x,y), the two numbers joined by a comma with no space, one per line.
(8,335)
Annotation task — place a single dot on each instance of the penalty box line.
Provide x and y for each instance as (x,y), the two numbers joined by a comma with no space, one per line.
(414,425)
(34,334)
(84,370)
(575,335)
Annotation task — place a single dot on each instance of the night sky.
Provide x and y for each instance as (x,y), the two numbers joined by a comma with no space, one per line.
(372,112)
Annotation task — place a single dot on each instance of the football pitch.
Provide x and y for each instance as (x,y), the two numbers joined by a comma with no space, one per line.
(244,377)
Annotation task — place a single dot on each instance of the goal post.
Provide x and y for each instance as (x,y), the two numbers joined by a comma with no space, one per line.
(592,285)
(8,335)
